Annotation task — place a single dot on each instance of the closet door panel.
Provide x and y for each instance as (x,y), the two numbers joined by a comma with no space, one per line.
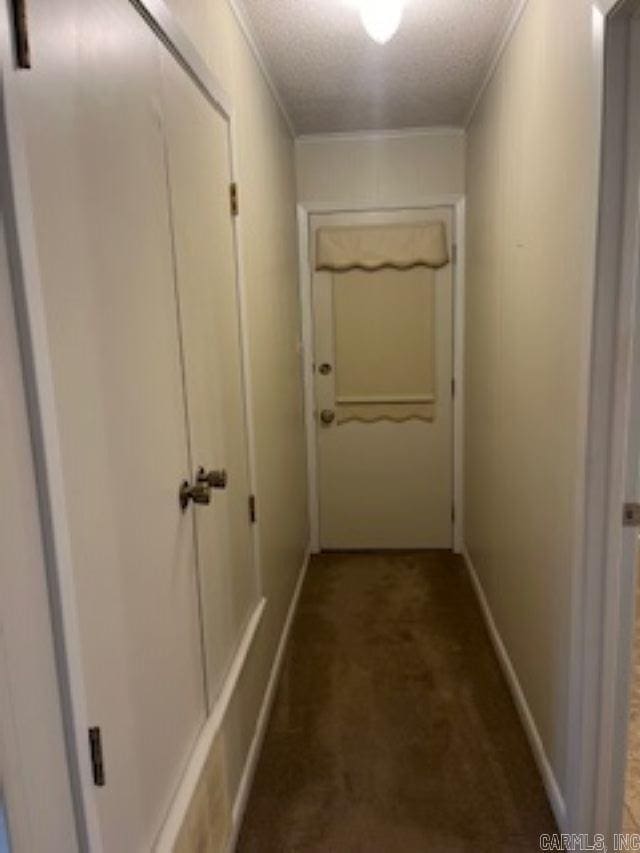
(199,177)
(96,160)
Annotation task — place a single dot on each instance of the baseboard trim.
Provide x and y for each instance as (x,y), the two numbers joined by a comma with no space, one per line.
(552,788)
(244,787)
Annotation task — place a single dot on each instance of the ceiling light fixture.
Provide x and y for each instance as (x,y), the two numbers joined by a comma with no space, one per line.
(381,18)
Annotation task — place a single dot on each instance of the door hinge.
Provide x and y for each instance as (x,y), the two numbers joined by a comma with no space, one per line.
(253,513)
(453,387)
(453,513)
(21,34)
(631,515)
(454,253)
(97,761)
(233,198)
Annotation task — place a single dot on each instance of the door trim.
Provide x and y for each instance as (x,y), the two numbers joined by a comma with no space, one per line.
(603,578)
(304,213)
(166,26)
(31,767)
(40,394)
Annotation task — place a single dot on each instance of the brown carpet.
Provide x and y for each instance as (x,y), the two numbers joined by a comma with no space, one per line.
(393,728)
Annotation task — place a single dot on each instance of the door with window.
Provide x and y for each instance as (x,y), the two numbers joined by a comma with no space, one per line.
(383,322)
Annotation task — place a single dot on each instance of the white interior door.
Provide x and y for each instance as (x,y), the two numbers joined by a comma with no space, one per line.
(384,484)
(199,177)
(96,160)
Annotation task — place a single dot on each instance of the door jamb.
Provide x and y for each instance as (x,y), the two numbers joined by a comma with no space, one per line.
(304,212)
(604,576)
(39,391)
(245,346)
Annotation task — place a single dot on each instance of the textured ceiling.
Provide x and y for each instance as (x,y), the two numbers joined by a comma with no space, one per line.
(332,77)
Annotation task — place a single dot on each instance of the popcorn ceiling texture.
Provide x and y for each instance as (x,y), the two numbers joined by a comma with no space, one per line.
(332,77)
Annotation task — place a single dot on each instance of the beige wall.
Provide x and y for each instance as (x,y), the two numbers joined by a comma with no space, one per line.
(383,170)
(265,152)
(531,179)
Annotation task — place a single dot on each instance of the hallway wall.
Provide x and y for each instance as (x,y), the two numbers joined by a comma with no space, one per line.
(378,170)
(265,152)
(532,195)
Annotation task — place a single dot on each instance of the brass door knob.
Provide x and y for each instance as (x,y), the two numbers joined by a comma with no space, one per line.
(199,493)
(215,479)
(325,369)
(327,416)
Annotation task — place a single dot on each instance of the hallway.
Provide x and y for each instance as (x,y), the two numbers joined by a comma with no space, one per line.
(393,728)
(356,279)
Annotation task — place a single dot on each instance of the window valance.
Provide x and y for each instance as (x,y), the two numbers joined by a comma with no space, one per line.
(375,247)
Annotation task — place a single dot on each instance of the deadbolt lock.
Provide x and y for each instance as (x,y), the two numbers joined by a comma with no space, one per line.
(327,416)
(199,493)
(214,479)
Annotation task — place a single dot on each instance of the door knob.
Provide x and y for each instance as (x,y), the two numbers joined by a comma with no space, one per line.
(325,369)
(327,416)
(214,479)
(199,493)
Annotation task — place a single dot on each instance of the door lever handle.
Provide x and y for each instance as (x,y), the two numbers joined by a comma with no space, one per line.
(214,479)
(199,493)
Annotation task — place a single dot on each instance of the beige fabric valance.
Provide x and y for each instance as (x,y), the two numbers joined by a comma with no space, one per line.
(375,247)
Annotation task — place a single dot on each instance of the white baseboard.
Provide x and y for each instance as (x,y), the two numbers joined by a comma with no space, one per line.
(552,788)
(244,787)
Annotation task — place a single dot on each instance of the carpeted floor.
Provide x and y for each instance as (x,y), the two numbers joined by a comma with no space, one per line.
(393,728)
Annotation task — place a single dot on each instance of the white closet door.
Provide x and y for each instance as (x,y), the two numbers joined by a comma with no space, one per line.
(199,177)
(97,168)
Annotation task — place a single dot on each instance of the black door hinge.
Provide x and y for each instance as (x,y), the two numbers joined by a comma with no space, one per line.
(97,761)
(252,509)
(233,199)
(453,387)
(21,33)
(453,514)
(631,515)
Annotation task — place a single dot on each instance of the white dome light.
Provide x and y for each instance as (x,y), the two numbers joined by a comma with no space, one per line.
(381,18)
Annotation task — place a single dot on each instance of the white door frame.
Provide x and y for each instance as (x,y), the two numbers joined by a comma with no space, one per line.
(35,751)
(38,380)
(604,572)
(40,393)
(305,212)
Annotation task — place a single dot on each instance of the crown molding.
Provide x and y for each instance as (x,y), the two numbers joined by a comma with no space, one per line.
(244,23)
(501,45)
(372,135)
